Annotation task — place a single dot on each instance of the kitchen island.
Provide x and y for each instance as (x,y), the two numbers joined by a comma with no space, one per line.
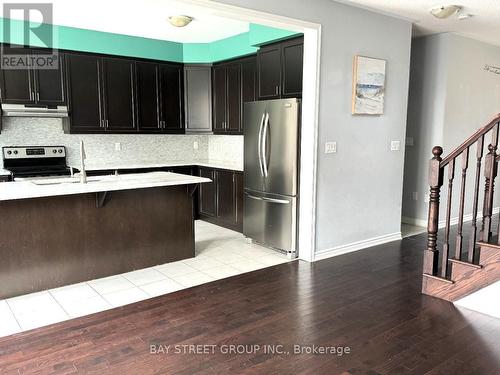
(58,231)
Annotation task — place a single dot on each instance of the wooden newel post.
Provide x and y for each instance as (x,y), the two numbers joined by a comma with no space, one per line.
(435,182)
(490,172)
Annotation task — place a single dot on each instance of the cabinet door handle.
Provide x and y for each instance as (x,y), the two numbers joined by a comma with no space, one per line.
(107,123)
(37,96)
(277,90)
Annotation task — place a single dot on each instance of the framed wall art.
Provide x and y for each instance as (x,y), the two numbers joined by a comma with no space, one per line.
(368,86)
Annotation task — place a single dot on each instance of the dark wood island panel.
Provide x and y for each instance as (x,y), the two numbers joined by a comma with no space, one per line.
(54,241)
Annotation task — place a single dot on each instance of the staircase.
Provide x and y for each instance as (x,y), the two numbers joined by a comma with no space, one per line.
(468,256)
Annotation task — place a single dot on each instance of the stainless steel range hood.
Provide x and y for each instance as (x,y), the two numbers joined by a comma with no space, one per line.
(20,110)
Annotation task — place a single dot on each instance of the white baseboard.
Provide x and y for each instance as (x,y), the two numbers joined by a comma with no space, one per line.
(442,223)
(360,245)
(355,246)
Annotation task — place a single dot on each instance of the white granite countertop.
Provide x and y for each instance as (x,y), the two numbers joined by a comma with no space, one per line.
(97,166)
(48,187)
(4,172)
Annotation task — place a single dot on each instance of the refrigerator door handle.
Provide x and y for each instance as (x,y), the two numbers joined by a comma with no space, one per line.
(259,144)
(264,145)
(265,199)
(274,200)
(254,197)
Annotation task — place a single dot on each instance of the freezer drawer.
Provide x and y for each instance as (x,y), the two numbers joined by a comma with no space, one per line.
(270,219)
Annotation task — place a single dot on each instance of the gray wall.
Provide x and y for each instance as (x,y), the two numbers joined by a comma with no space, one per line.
(360,187)
(451,96)
(426,111)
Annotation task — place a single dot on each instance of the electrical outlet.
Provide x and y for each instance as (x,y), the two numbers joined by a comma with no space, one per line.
(395,145)
(414,196)
(409,141)
(426,198)
(118,146)
(330,147)
(195,145)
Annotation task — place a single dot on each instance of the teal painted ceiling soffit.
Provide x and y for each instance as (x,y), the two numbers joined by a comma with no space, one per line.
(75,39)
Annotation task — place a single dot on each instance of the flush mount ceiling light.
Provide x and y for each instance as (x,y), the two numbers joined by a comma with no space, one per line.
(445,11)
(180,21)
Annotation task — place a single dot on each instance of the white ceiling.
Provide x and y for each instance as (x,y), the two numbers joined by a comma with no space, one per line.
(144,18)
(484,25)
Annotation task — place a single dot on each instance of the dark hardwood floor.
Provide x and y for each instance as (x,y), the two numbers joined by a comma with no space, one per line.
(369,300)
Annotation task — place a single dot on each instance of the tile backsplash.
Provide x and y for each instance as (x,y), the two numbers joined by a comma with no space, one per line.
(225,147)
(100,148)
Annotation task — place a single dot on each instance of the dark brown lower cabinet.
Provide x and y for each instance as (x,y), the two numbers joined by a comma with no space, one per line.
(221,201)
(208,194)
(238,186)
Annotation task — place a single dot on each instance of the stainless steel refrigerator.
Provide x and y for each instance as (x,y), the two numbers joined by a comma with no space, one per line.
(271,173)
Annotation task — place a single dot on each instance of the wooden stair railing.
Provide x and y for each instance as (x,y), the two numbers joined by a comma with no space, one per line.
(436,263)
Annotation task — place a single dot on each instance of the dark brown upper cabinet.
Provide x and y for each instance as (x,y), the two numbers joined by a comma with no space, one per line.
(172,98)
(248,79)
(233,98)
(148,94)
(198,98)
(280,69)
(159,97)
(269,68)
(233,84)
(293,54)
(83,76)
(118,95)
(219,96)
(33,86)
(121,95)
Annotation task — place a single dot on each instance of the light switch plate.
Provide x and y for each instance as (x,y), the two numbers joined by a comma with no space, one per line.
(195,145)
(118,146)
(395,145)
(330,147)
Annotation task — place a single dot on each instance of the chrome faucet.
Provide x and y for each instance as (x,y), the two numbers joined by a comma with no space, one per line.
(83,174)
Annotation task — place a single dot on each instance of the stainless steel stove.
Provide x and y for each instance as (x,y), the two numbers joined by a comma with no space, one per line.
(35,161)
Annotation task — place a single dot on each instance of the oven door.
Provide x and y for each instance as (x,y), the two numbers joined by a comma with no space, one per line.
(23,175)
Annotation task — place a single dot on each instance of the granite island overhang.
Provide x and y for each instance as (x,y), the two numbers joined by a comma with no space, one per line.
(55,232)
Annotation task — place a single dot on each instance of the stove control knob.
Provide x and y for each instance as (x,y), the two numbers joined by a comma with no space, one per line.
(60,151)
(9,152)
(54,151)
(15,152)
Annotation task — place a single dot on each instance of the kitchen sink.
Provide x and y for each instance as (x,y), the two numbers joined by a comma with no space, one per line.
(68,180)
(149,176)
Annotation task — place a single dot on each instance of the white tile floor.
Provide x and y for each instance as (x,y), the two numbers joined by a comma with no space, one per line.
(484,301)
(220,253)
